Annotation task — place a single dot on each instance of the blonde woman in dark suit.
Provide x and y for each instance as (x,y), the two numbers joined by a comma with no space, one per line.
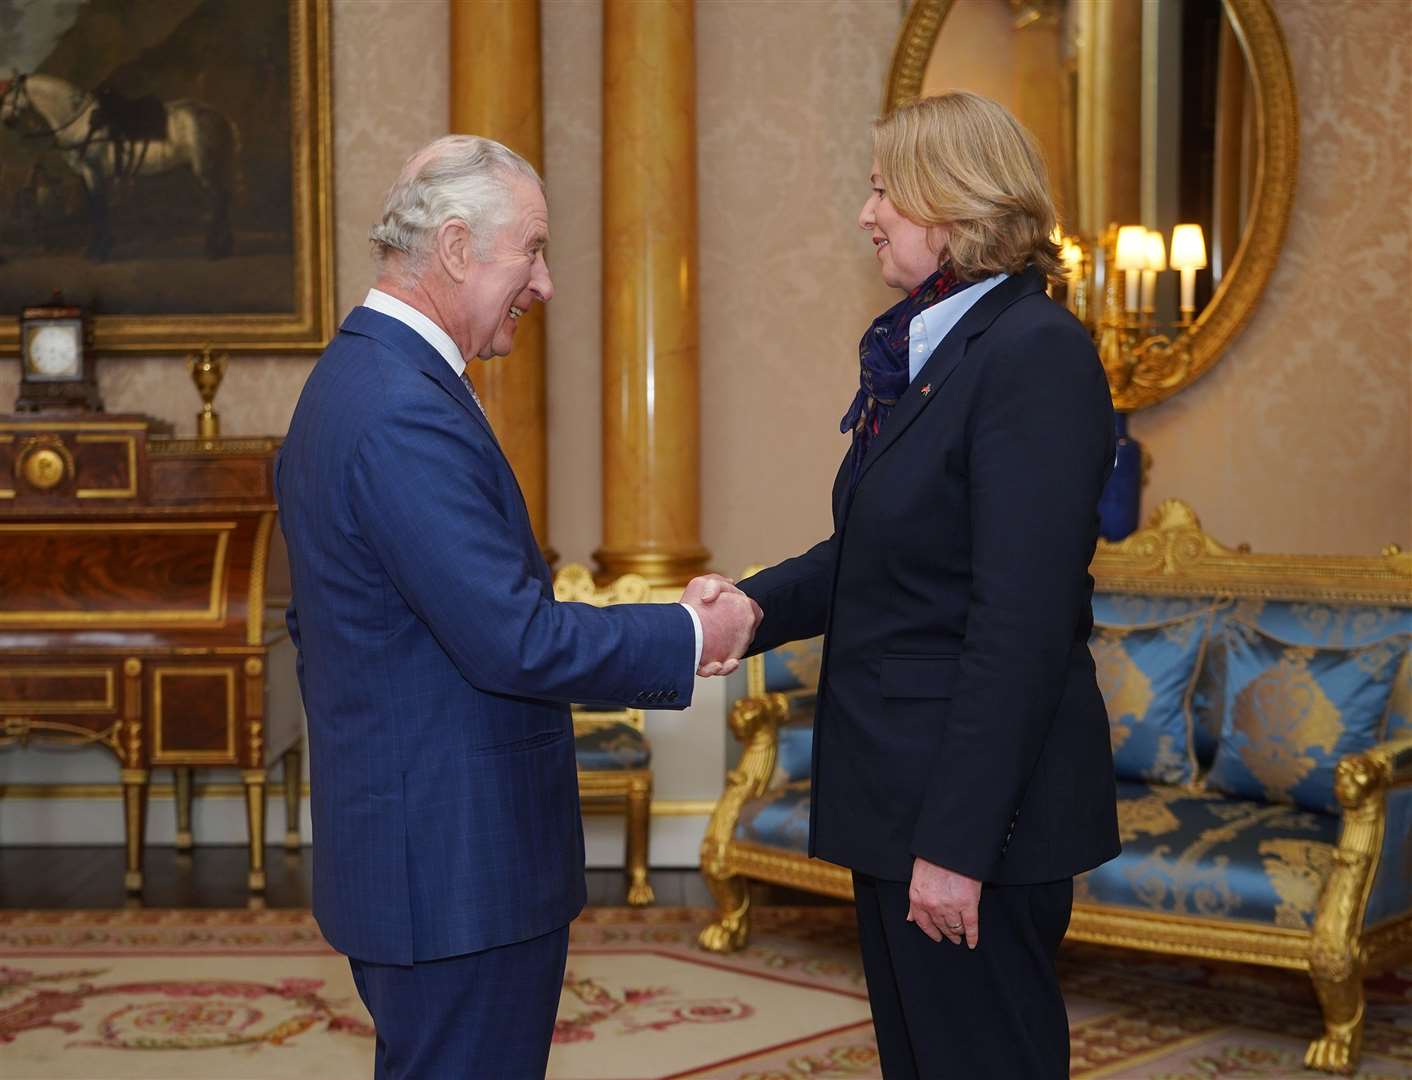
(961,758)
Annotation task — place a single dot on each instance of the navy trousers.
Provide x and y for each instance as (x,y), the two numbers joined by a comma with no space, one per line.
(485,1014)
(946,1012)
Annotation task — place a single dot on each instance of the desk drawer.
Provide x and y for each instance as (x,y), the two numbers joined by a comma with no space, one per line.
(196,710)
(58,689)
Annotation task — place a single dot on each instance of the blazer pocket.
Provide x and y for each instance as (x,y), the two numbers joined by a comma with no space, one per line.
(919,676)
(537,741)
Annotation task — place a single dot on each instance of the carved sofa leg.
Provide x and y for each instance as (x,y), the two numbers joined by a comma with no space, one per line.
(1336,954)
(1338,980)
(731,929)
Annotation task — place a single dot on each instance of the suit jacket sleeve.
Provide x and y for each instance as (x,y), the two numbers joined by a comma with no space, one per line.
(794,595)
(424,492)
(1040,450)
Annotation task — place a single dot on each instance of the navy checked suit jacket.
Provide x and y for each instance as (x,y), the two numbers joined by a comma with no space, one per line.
(435,666)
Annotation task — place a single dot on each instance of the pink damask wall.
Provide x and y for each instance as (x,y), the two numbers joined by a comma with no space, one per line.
(1299,440)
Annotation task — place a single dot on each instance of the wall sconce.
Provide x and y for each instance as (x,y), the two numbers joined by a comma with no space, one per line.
(1129,344)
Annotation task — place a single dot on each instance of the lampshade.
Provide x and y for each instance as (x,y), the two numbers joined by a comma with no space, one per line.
(1188,248)
(1132,248)
(1156,251)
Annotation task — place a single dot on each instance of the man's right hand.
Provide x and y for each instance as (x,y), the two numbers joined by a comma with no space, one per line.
(729,620)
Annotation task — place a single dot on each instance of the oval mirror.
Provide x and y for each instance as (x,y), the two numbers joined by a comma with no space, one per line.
(1171,133)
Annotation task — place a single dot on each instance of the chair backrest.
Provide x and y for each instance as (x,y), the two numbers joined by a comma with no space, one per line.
(587,718)
(574,583)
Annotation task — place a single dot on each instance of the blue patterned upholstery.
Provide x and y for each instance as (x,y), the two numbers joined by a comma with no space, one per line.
(779,818)
(1341,625)
(1392,886)
(795,755)
(1291,711)
(604,747)
(1147,674)
(794,666)
(1203,854)
(1137,609)
(1297,622)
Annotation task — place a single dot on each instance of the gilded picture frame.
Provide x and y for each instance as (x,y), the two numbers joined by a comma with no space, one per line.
(278,230)
(1277,133)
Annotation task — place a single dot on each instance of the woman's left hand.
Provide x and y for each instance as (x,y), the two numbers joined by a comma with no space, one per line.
(944,904)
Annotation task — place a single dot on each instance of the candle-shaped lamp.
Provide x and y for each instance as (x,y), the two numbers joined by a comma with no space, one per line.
(1156,263)
(1188,256)
(1131,258)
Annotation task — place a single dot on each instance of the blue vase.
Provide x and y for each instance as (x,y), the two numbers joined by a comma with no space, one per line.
(1118,506)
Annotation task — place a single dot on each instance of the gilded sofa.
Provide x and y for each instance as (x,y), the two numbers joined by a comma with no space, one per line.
(1268,822)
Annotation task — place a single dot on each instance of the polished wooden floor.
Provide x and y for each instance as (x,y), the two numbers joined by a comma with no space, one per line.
(214,877)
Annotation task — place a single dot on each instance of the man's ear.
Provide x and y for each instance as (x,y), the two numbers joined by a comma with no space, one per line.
(454,249)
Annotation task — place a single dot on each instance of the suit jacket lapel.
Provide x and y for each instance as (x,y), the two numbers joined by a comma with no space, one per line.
(946,358)
(408,343)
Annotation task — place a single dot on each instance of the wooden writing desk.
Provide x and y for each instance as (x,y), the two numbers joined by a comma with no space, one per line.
(132,605)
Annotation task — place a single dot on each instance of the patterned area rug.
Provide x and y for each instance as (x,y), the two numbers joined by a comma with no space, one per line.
(239,995)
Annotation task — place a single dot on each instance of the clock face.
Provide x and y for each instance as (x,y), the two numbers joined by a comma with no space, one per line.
(54,352)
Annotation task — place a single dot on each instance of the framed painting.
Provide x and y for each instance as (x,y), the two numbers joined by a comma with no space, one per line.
(165,165)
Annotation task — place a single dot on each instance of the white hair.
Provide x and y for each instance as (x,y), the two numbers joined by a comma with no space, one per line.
(454,178)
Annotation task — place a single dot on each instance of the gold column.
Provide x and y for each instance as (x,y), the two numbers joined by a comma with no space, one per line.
(651,410)
(496,92)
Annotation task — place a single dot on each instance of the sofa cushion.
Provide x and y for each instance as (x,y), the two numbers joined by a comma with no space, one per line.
(779,818)
(1341,625)
(1197,853)
(604,747)
(1147,674)
(1291,711)
(1138,609)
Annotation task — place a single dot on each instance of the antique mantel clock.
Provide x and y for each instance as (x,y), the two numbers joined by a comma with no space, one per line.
(56,361)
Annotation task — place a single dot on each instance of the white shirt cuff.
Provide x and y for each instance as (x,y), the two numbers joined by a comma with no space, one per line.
(700,635)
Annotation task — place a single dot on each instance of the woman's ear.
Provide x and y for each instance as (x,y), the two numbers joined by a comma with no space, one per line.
(939,240)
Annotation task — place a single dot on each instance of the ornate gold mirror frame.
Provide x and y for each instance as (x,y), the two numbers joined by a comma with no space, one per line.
(1277,133)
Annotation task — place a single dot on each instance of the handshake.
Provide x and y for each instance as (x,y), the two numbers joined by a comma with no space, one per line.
(729,620)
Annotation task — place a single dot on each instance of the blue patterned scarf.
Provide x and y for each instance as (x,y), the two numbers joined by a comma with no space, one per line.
(883,373)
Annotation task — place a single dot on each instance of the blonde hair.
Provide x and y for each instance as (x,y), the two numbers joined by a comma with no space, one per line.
(963,161)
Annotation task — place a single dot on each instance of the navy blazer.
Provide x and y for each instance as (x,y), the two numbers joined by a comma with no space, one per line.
(958,715)
(436,667)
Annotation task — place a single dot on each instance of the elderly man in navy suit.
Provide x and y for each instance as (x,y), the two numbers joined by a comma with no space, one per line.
(435,665)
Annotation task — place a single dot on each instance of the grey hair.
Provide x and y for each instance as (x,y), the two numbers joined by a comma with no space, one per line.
(455,177)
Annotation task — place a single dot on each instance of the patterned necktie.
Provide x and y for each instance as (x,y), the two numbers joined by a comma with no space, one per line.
(466,378)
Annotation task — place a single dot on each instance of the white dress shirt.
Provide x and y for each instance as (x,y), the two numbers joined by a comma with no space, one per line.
(440,340)
(929,328)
